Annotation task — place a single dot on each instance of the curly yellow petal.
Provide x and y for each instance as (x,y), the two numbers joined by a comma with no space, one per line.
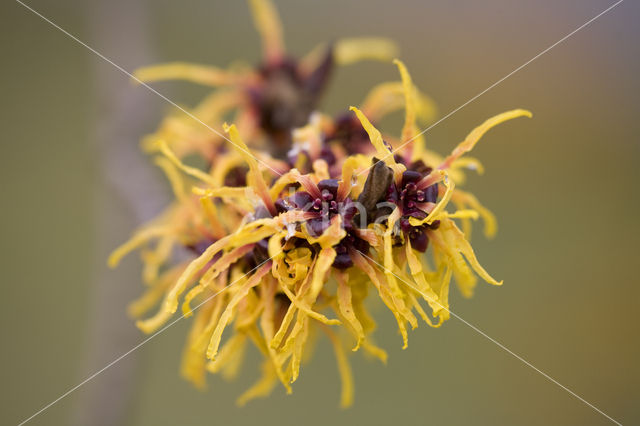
(472,138)
(253,281)
(191,171)
(383,152)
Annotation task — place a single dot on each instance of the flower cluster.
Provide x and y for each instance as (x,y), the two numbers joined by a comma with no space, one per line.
(289,233)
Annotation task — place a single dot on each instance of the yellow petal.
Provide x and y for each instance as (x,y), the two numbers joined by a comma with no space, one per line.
(475,135)
(440,205)
(219,266)
(140,306)
(267,22)
(469,163)
(468,199)
(154,259)
(346,396)
(460,243)
(193,364)
(298,347)
(262,387)
(211,212)
(214,343)
(375,351)
(258,182)
(195,73)
(139,238)
(267,324)
(229,351)
(348,168)
(384,293)
(284,327)
(191,171)
(409,129)
(384,154)
(282,182)
(324,261)
(304,307)
(389,96)
(345,306)
(175,179)
(350,50)
(330,237)
(388,251)
(415,266)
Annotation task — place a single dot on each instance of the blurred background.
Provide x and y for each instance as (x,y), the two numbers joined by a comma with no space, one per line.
(563,185)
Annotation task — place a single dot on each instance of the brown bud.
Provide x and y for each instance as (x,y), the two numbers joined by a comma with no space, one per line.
(376,185)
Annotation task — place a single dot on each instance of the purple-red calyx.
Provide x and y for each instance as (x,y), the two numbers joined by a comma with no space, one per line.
(326,207)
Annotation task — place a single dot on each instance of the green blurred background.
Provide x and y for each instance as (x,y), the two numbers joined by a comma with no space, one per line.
(563,185)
